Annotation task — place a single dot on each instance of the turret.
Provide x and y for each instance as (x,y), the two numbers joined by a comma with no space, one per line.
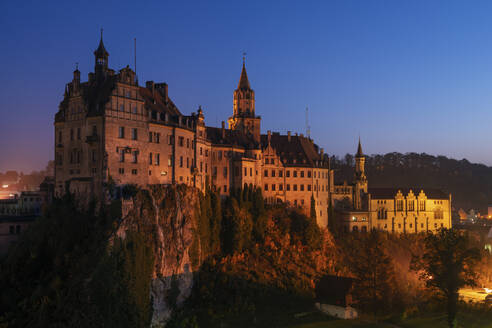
(101,58)
(360,179)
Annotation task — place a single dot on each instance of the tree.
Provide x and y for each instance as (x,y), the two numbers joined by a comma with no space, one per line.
(447,265)
(373,270)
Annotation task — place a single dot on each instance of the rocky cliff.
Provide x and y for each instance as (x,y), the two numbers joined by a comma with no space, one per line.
(168,216)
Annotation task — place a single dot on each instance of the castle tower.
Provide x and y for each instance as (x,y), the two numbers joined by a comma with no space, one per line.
(360,178)
(101,58)
(244,118)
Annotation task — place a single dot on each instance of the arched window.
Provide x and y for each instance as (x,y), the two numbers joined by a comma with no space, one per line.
(355,228)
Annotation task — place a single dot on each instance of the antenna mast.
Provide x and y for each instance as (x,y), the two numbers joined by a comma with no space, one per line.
(135,56)
(308,128)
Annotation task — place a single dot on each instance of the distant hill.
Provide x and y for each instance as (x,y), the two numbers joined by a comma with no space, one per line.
(470,184)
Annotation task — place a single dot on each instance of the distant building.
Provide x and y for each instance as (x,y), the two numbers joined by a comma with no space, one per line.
(110,131)
(401,210)
(10,229)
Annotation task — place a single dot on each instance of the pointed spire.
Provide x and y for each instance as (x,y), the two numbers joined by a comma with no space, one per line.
(243,81)
(101,51)
(359,150)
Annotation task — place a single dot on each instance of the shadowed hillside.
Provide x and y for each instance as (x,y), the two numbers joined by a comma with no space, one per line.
(470,184)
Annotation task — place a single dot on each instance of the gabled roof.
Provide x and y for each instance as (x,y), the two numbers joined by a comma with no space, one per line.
(231,137)
(390,193)
(299,151)
(154,101)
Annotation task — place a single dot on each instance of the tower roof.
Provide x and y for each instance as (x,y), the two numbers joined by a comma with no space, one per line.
(243,81)
(359,150)
(101,51)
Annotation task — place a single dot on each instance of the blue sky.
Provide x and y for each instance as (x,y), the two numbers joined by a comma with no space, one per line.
(407,76)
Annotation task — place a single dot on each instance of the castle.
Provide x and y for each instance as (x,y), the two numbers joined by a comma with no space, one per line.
(400,210)
(111,131)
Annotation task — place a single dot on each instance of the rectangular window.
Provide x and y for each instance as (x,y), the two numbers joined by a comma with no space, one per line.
(187,162)
(295,187)
(302,186)
(206,168)
(287,174)
(250,171)
(187,142)
(59,137)
(201,166)
(422,205)
(121,132)
(201,151)
(281,187)
(121,170)
(280,173)
(309,186)
(266,173)
(157,159)
(134,134)
(214,171)
(122,107)
(273,187)
(135,157)
(295,174)
(150,158)
(206,152)
(266,187)
(93,156)
(273,173)
(94,130)
(302,174)
(122,155)
(225,188)
(309,174)
(245,172)
(180,161)
(150,136)
(410,205)
(399,205)
(157,138)
(134,171)
(180,141)
(71,134)
(220,155)
(225,172)
(288,187)
(170,160)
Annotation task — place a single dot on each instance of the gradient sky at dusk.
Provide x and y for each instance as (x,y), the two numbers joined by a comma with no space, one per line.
(408,76)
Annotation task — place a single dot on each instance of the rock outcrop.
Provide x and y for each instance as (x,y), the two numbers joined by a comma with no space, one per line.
(168,215)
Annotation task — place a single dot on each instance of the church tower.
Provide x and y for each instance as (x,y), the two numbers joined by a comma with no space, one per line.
(360,178)
(244,118)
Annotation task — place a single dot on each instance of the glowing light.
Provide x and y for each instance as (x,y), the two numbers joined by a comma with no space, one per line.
(5,186)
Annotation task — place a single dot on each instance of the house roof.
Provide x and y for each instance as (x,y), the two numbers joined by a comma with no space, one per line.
(232,137)
(154,101)
(298,151)
(390,193)
(333,290)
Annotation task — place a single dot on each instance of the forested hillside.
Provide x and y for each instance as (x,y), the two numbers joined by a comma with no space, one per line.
(470,184)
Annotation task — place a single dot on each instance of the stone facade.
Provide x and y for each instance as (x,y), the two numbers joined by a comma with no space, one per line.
(109,131)
(399,210)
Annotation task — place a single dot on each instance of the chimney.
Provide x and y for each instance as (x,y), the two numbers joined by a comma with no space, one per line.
(223,130)
(288,136)
(269,136)
(150,85)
